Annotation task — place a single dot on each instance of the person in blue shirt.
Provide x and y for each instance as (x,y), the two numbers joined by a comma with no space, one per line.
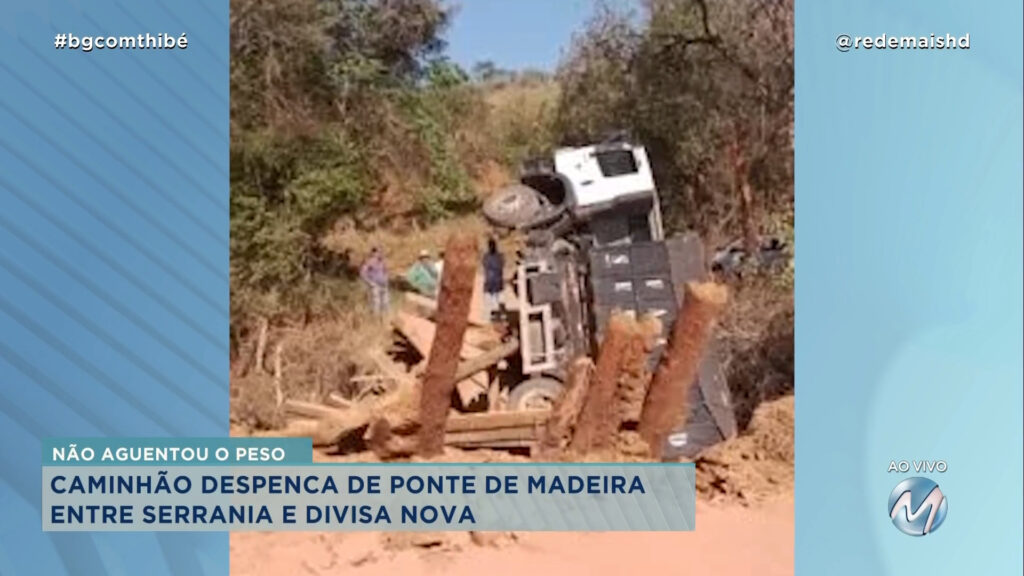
(374,273)
(494,278)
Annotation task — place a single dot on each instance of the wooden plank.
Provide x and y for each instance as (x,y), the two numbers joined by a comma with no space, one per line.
(521,433)
(487,359)
(296,427)
(420,305)
(496,444)
(314,411)
(482,338)
(426,307)
(494,420)
(469,389)
(666,402)
(326,425)
(321,433)
(336,400)
(421,333)
(476,304)
(559,427)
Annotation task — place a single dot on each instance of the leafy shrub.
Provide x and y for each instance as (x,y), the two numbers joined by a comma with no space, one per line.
(331,99)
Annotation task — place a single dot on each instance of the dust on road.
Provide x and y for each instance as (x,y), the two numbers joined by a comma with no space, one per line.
(729,541)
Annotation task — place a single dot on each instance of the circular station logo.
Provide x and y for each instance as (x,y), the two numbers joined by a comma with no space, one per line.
(917,507)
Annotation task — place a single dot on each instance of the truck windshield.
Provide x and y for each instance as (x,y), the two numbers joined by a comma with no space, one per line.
(616,163)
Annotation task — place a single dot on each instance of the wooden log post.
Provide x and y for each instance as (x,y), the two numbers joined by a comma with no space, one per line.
(596,425)
(558,429)
(460,263)
(634,373)
(666,403)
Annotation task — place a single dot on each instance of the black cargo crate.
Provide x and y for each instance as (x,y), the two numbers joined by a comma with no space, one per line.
(653,288)
(614,292)
(611,261)
(650,258)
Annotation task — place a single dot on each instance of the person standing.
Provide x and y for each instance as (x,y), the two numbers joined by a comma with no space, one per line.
(439,265)
(375,273)
(494,279)
(423,276)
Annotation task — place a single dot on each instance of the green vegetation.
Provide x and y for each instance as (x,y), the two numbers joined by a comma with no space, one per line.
(338,108)
(708,88)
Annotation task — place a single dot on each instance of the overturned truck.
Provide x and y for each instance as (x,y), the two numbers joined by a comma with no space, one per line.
(595,244)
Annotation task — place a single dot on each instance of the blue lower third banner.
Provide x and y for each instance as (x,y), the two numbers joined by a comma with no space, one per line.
(258,485)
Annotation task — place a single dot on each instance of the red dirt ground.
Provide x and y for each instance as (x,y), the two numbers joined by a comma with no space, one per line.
(744,526)
(728,541)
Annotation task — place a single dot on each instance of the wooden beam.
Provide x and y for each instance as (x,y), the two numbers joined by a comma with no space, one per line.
(494,420)
(665,406)
(482,338)
(495,444)
(559,427)
(597,422)
(421,334)
(427,307)
(487,359)
(460,264)
(336,400)
(315,411)
(520,433)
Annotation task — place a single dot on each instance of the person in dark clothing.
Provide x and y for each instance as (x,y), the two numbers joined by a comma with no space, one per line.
(494,278)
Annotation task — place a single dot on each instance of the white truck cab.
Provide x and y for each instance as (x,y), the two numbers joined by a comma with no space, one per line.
(604,174)
(613,191)
(606,190)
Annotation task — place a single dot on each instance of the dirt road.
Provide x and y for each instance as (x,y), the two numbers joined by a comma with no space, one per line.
(729,541)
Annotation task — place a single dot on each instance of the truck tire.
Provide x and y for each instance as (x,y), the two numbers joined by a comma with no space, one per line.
(513,206)
(537,393)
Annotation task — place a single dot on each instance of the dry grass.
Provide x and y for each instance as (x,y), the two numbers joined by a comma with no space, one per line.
(757,333)
(319,358)
(401,248)
(520,117)
(525,96)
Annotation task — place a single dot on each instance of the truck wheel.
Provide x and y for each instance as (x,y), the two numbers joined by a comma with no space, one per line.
(537,393)
(513,206)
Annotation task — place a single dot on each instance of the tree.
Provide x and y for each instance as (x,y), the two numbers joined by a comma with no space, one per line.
(330,98)
(708,88)
(485,70)
(596,78)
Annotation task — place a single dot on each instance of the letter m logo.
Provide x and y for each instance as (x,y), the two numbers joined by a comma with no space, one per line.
(918,520)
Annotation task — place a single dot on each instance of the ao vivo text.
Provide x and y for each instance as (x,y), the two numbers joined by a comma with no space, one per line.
(919,466)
